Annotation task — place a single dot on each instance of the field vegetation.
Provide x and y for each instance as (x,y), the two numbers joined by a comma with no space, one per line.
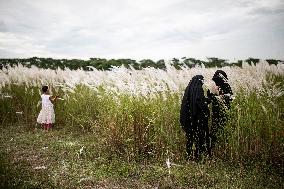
(120,128)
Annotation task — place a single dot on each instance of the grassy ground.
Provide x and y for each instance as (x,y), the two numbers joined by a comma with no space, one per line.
(32,158)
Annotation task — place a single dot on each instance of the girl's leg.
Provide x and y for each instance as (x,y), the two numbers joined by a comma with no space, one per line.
(49,126)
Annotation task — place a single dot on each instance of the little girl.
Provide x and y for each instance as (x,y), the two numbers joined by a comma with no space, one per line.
(46,116)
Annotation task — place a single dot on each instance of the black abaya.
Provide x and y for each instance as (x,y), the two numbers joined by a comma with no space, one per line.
(220,105)
(194,115)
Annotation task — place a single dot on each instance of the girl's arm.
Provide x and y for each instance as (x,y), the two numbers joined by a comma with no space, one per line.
(53,98)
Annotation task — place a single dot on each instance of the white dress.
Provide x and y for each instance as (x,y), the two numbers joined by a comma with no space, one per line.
(46,114)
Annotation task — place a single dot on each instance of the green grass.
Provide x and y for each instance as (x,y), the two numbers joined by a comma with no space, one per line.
(23,150)
(126,141)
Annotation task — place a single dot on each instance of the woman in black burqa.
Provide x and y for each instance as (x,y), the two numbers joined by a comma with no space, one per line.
(194,115)
(220,104)
(221,80)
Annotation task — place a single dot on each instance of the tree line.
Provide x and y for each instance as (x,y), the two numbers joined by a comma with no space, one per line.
(107,64)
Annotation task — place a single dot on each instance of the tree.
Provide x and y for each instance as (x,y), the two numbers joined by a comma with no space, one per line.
(273,61)
(147,63)
(252,60)
(161,64)
(216,62)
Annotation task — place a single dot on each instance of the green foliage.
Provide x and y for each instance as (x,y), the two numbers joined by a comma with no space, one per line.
(125,138)
(135,128)
(104,64)
(252,60)
(38,159)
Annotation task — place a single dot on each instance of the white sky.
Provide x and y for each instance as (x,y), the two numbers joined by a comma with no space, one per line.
(137,29)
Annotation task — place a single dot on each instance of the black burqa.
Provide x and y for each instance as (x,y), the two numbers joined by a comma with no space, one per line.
(220,105)
(194,115)
(221,80)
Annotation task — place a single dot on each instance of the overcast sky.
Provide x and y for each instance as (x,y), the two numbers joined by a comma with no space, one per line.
(156,29)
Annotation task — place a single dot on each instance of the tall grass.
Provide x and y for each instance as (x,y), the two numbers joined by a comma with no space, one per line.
(255,126)
(146,127)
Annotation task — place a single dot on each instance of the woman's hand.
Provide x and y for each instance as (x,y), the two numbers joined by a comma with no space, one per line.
(215,89)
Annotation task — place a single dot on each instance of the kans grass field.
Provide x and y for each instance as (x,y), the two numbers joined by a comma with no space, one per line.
(120,129)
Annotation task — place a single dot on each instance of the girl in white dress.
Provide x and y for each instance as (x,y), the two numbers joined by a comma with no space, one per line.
(46,116)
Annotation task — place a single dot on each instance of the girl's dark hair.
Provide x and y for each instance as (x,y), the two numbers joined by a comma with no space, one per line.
(44,88)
